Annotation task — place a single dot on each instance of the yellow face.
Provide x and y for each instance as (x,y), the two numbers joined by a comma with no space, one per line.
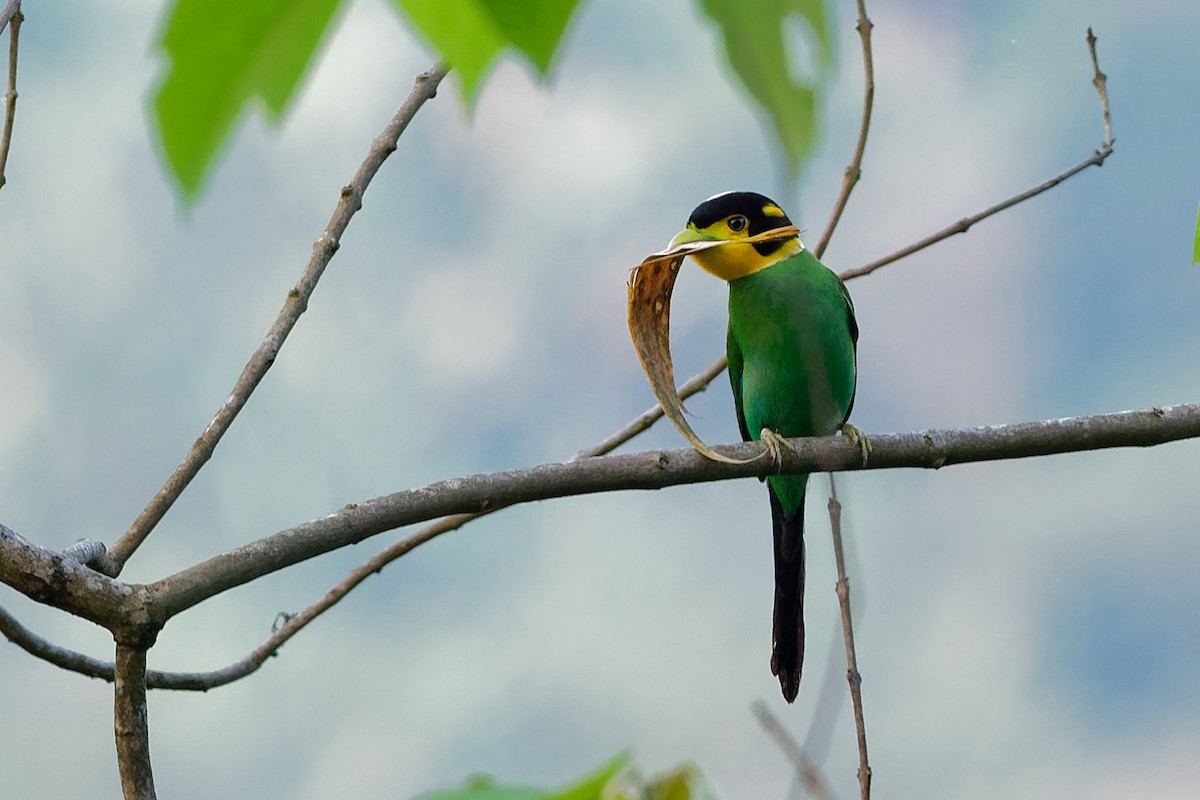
(736,260)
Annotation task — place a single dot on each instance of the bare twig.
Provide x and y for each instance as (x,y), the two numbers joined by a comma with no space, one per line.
(130,723)
(807,772)
(349,202)
(1100,81)
(694,385)
(854,170)
(56,580)
(1096,159)
(11,16)
(852,674)
(47,651)
(8,12)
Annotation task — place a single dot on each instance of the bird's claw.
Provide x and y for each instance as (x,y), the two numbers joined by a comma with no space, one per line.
(774,444)
(859,438)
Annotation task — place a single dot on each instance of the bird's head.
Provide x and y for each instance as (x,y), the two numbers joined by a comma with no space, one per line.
(737,215)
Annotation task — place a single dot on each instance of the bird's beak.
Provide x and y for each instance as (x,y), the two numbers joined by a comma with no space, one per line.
(689,236)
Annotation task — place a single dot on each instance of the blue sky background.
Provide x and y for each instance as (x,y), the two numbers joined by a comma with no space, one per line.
(1027,628)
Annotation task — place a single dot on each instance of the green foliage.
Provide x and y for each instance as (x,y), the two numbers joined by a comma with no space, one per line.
(470,34)
(682,783)
(753,32)
(1196,244)
(225,54)
(590,787)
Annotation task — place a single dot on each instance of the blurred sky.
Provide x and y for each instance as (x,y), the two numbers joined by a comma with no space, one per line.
(1028,629)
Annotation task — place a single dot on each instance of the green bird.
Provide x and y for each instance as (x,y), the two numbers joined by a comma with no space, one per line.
(792,346)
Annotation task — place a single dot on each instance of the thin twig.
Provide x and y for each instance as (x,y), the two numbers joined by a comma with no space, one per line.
(130,723)
(349,202)
(1096,159)
(47,651)
(1100,81)
(854,170)
(694,385)
(807,771)
(852,674)
(8,12)
(11,16)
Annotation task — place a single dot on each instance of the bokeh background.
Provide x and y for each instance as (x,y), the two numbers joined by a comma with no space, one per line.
(1027,629)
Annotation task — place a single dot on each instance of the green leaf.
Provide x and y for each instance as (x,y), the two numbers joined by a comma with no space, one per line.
(587,788)
(223,54)
(753,31)
(590,787)
(1196,245)
(470,34)
(682,783)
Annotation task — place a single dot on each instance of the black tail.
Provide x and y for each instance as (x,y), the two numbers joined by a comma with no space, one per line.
(787,653)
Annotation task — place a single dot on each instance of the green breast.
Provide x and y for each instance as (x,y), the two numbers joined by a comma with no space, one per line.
(792,324)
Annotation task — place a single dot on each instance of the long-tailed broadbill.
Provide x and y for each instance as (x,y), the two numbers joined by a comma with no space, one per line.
(792,347)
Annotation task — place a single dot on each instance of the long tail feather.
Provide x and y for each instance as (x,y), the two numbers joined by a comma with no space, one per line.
(787,654)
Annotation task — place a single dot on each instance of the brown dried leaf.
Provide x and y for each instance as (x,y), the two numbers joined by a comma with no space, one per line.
(650,286)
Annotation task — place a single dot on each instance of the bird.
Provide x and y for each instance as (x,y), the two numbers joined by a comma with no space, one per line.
(792,345)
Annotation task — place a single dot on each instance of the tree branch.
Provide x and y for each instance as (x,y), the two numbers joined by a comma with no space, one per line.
(57,580)
(349,202)
(854,170)
(1096,159)
(11,16)
(852,675)
(656,470)
(41,648)
(806,771)
(130,724)
(10,10)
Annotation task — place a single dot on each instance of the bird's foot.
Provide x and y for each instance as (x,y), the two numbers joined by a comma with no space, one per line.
(859,438)
(775,445)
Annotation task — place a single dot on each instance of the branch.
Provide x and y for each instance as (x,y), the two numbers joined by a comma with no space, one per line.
(41,648)
(9,11)
(806,771)
(694,385)
(130,724)
(1096,159)
(854,171)
(11,16)
(60,581)
(656,470)
(852,675)
(349,202)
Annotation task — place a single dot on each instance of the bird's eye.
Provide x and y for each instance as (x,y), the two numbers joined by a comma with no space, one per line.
(737,223)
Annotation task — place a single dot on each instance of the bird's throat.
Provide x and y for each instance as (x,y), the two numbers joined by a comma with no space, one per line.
(734,261)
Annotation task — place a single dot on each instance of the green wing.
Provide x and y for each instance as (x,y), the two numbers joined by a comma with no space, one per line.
(734,355)
(852,321)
